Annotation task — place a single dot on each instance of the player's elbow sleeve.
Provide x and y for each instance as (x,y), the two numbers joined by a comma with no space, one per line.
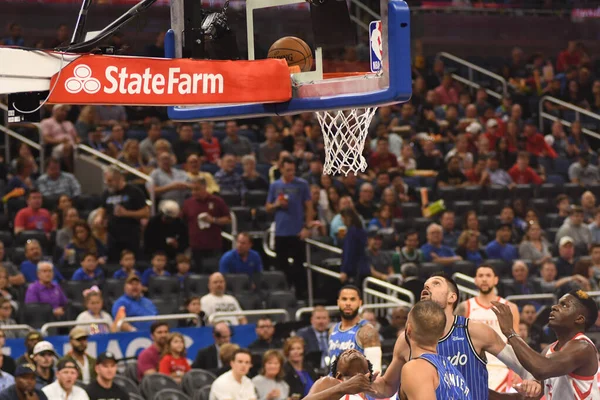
(374,355)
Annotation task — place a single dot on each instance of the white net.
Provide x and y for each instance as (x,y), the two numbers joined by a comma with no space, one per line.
(345,133)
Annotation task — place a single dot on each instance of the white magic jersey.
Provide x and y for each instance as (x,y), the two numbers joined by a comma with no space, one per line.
(498,373)
(571,386)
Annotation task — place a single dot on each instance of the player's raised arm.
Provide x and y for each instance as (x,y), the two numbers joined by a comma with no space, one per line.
(367,337)
(329,388)
(419,381)
(388,384)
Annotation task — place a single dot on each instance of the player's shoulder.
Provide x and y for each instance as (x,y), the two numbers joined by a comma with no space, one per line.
(324,383)
(417,367)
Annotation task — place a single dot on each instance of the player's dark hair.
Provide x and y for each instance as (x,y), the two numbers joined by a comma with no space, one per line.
(350,287)
(334,364)
(451,283)
(589,305)
(487,266)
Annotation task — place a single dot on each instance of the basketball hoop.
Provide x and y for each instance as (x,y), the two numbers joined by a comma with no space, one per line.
(345,132)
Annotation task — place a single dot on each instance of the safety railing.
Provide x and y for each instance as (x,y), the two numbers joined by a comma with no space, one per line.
(17,327)
(307,310)
(578,112)
(124,167)
(541,296)
(359,11)
(248,313)
(310,267)
(465,292)
(392,290)
(67,324)
(470,80)
(12,134)
(231,236)
(153,318)
(595,294)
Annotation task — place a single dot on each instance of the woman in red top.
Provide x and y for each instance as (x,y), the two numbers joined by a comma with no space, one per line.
(174,362)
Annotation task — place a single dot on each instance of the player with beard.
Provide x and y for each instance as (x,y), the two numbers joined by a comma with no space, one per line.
(569,365)
(479,308)
(352,332)
(464,343)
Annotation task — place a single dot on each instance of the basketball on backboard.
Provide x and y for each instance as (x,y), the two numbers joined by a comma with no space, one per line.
(294,50)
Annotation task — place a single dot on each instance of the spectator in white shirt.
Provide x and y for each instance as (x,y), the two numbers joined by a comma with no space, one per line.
(217,301)
(64,386)
(234,384)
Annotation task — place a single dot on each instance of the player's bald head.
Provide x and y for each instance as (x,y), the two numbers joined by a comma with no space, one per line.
(426,322)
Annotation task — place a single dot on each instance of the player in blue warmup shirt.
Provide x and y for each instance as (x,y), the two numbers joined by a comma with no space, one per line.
(428,375)
(463,343)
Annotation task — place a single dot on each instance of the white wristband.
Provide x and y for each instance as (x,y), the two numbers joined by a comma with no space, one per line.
(374,355)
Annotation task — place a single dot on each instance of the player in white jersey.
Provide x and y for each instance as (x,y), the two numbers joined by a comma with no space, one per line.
(479,309)
(569,365)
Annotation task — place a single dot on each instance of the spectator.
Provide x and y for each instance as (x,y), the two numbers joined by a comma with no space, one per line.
(94,303)
(316,336)
(534,246)
(451,235)
(478,175)
(55,182)
(315,172)
(265,331)
(588,204)
(582,172)
(563,205)
(59,133)
(522,174)
(471,222)
(7,292)
(565,264)
(208,357)
(104,387)
(83,363)
(192,305)
(131,156)
(549,283)
(6,311)
(410,279)
(382,182)
(31,340)
(193,171)
(15,36)
(522,284)
(528,317)
(65,234)
(289,199)
(269,150)
(216,300)
(83,242)
(430,158)
(498,176)
(6,378)
(382,221)
(210,144)
(22,179)
(115,142)
(158,265)
(234,144)
(571,57)
(337,229)
(355,262)
(226,353)
(166,231)
(136,305)
(64,386)
(46,291)
(583,268)
(86,122)
(89,270)
(365,206)
(469,247)
(24,387)
(110,115)
(228,179)
(507,216)
(127,263)
(594,227)
(95,140)
(383,159)
(242,259)
(397,324)
(407,159)
(409,253)
(270,384)
(577,142)
(147,145)
(446,93)
(501,247)
(251,178)
(574,228)
(380,260)
(174,363)
(15,277)
(44,356)
(434,250)
(149,358)
(204,214)
(595,256)
(29,267)
(298,374)
(33,217)
(390,199)
(321,211)
(186,146)
(451,175)
(183,265)
(234,384)
(123,206)
(167,182)
(461,149)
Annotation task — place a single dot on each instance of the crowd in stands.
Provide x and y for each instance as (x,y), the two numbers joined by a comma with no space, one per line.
(518,198)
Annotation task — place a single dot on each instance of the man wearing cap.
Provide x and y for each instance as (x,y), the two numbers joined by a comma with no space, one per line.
(78,339)
(381,261)
(574,227)
(166,231)
(64,387)
(136,305)
(103,387)
(565,263)
(31,340)
(501,247)
(582,172)
(24,387)
(43,357)
(492,132)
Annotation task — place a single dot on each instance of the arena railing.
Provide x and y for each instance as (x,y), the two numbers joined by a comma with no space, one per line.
(307,310)
(595,294)
(392,290)
(465,292)
(17,327)
(578,112)
(67,324)
(248,313)
(153,318)
(124,167)
(10,133)
(470,80)
(231,235)
(358,16)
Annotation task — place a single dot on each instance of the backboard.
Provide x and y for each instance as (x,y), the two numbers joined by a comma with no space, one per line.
(340,79)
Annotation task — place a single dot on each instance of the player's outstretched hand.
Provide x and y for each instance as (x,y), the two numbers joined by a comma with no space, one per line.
(529,388)
(358,384)
(505,317)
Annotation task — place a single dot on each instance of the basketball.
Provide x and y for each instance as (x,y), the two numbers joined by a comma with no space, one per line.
(294,50)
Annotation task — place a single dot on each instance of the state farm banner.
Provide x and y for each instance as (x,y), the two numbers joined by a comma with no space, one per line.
(99,79)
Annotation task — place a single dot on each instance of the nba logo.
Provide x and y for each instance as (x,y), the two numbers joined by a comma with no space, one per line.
(376,45)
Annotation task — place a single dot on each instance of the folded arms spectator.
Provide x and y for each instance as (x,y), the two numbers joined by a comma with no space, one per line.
(33,217)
